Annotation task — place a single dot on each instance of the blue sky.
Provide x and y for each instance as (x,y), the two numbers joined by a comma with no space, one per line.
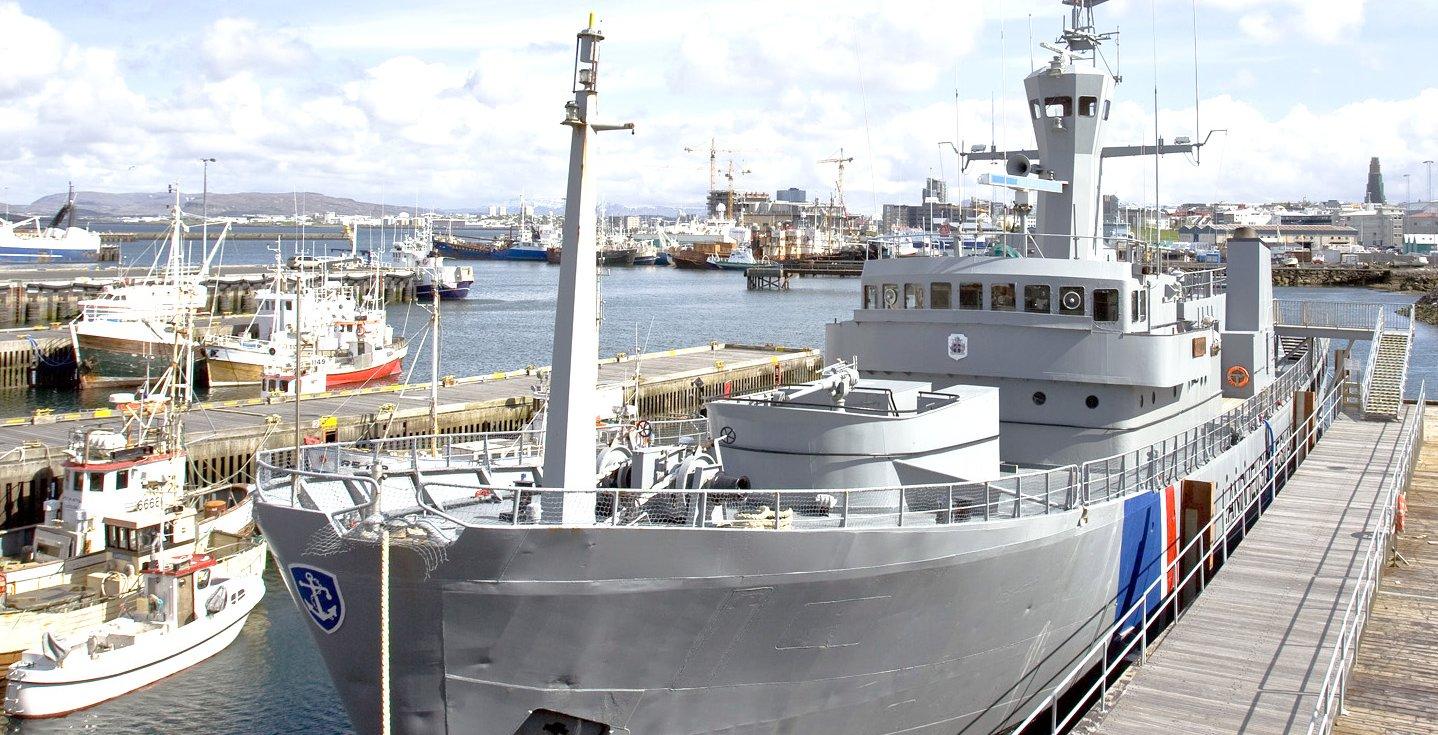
(457,103)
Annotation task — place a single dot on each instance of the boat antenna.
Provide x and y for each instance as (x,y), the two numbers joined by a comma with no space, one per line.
(1197,154)
(569,430)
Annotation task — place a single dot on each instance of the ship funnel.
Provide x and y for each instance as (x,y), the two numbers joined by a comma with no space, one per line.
(1018,165)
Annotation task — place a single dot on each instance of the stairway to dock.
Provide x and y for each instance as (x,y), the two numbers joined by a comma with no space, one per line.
(1389,367)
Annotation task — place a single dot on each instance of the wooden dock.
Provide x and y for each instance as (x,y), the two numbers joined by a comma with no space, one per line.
(223,436)
(1393,687)
(1251,653)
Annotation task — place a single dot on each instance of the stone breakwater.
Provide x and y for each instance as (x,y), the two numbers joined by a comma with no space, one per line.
(1416,280)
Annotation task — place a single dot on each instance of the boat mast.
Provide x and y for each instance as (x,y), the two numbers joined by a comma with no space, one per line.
(434,359)
(569,427)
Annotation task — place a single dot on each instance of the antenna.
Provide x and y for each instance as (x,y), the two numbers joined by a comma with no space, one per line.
(1198,154)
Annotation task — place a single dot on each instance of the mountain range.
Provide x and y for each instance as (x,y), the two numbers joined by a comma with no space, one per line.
(103,205)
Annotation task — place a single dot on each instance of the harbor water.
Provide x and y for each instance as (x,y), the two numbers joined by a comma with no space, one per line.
(271,680)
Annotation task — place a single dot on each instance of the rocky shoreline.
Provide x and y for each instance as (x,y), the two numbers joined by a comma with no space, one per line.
(1414,280)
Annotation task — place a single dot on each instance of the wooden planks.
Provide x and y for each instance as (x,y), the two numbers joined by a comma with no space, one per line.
(1393,687)
(1250,655)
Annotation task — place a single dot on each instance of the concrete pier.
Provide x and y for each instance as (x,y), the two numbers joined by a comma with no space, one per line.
(222,437)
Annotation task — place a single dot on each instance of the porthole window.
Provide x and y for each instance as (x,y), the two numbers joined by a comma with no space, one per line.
(1039,398)
(891,296)
(1071,300)
(1091,402)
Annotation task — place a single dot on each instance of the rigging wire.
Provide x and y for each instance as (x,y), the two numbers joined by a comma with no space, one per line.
(868,135)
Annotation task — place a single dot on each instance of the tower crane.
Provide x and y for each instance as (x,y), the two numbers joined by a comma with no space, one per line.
(839,182)
(714,152)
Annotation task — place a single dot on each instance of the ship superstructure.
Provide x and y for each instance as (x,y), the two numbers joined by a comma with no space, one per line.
(986,479)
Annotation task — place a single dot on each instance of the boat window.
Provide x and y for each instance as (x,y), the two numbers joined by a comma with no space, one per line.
(891,296)
(1105,305)
(939,296)
(913,296)
(145,538)
(122,479)
(1138,306)
(1036,299)
(1001,297)
(1071,300)
(97,482)
(971,295)
(1088,106)
(1105,109)
(1036,108)
(871,297)
(1058,106)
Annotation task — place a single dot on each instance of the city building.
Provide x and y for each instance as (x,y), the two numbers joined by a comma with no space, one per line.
(791,195)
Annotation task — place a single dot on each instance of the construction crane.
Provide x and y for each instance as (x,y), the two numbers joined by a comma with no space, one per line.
(714,152)
(839,182)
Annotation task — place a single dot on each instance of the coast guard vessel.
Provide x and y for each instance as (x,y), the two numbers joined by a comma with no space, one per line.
(997,466)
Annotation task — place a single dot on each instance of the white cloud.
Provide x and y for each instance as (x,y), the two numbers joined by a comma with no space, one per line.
(234,45)
(1326,21)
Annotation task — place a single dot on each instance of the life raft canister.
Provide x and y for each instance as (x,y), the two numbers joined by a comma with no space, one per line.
(1238,376)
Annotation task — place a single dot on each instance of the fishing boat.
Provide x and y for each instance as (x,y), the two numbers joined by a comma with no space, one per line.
(26,241)
(187,612)
(741,259)
(127,335)
(347,333)
(126,502)
(416,251)
(824,558)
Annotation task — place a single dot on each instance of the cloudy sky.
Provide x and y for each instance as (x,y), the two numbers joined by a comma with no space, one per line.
(457,104)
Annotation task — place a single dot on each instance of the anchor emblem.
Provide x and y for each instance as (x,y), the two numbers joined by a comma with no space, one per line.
(319,594)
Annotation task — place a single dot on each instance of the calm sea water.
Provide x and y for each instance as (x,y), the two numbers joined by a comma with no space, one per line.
(272,681)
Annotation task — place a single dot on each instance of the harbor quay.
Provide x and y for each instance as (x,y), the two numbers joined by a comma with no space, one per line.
(222,437)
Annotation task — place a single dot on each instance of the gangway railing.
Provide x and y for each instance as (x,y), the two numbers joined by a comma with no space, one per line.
(1370,367)
(1345,315)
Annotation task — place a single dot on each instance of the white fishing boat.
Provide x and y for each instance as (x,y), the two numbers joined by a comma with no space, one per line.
(127,335)
(187,612)
(739,260)
(417,252)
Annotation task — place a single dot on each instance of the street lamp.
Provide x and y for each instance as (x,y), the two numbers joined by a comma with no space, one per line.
(205,206)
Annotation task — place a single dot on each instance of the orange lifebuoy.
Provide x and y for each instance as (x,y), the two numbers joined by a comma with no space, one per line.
(1402,516)
(1238,376)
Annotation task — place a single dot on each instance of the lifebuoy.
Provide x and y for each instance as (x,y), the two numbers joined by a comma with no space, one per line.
(1238,376)
(1398,521)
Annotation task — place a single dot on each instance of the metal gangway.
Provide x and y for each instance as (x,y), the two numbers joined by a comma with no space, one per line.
(1388,331)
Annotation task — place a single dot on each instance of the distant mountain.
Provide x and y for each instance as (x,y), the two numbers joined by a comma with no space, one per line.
(100,204)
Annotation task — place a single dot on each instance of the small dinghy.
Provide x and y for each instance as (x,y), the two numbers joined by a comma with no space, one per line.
(185,616)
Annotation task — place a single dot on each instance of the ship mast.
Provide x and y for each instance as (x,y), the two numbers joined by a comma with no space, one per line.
(569,426)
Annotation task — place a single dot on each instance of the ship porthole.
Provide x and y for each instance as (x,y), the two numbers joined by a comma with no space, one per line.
(1091,402)
(1039,398)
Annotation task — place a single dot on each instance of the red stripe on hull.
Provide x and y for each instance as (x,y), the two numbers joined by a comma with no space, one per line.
(359,376)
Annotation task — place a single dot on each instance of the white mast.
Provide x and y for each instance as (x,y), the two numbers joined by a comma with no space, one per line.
(569,425)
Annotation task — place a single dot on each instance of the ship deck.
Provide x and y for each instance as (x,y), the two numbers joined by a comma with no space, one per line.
(1251,654)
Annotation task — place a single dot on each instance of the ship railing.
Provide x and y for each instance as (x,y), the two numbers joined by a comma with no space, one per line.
(1170,459)
(1180,578)
(1013,496)
(1201,284)
(1328,703)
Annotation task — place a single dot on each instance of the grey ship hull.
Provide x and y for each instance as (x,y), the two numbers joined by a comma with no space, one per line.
(659,631)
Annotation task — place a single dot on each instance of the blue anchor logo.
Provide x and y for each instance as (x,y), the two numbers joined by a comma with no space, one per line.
(319,594)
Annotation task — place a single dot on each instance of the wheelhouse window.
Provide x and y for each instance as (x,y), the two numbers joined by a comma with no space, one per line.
(891,296)
(1071,300)
(1088,106)
(939,296)
(97,482)
(122,479)
(871,297)
(913,296)
(1036,109)
(1036,299)
(971,295)
(1058,106)
(1001,297)
(1105,305)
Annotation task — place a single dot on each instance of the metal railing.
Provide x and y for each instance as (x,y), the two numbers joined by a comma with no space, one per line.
(1014,496)
(1366,387)
(1334,314)
(1329,702)
(1199,284)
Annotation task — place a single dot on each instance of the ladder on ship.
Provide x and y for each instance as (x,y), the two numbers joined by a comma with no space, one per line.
(1388,373)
